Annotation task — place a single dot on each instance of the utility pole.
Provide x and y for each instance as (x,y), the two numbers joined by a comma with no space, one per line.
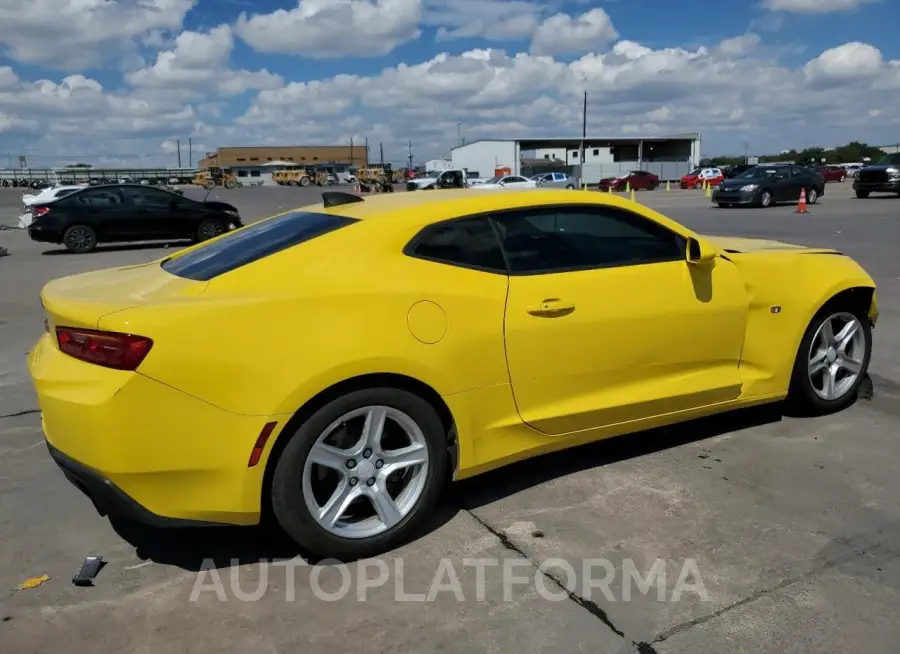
(409,155)
(746,152)
(381,149)
(351,152)
(178,145)
(583,137)
(367,152)
(190,153)
(459,140)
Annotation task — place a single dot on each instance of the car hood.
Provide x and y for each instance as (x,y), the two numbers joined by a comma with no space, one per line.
(882,168)
(425,181)
(742,245)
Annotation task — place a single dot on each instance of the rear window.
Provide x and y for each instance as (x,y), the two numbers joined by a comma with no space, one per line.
(253,243)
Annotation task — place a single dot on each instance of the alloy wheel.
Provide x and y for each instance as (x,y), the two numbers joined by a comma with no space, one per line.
(365,472)
(80,239)
(836,356)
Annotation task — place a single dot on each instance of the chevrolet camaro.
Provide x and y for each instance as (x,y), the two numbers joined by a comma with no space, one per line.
(334,366)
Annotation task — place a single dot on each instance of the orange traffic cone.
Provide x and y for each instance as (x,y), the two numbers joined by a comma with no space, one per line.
(801,205)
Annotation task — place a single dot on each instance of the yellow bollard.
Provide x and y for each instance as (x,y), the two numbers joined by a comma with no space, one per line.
(609,189)
(708,190)
(668,186)
(628,187)
(632,195)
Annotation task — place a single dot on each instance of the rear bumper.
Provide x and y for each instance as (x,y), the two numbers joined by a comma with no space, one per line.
(142,449)
(109,499)
(43,234)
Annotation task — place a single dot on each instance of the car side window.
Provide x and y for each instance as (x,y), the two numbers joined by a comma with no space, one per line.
(466,242)
(148,197)
(100,198)
(578,238)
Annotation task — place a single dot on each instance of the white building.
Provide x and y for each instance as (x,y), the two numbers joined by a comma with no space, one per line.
(669,157)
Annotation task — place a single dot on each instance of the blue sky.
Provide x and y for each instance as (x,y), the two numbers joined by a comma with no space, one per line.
(122,81)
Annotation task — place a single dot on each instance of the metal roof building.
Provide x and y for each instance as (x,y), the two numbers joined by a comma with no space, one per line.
(669,157)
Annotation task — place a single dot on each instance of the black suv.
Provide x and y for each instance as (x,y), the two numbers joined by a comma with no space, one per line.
(121,213)
(881,177)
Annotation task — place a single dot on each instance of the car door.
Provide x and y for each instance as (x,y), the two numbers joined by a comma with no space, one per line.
(607,322)
(782,185)
(157,214)
(103,209)
(514,181)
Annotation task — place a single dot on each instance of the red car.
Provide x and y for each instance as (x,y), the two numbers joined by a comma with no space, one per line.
(636,179)
(832,173)
(695,178)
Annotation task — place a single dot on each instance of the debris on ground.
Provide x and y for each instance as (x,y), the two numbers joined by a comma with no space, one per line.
(3,252)
(33,582)
(89,569)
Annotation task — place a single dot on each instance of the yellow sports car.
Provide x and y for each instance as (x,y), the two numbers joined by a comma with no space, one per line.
(338,363)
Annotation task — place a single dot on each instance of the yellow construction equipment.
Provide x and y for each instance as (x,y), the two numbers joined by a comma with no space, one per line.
(214,177)
(295,177)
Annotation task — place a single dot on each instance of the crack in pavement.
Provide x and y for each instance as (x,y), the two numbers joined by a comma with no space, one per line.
(647,647)
(18,414)
(827,565)
(641,647)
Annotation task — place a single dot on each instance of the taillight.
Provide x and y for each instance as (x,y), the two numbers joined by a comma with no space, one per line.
(108,349)
(37,212)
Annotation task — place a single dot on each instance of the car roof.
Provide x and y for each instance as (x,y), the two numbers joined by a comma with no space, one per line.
(418,207)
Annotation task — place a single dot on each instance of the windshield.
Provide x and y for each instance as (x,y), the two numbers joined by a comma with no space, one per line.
(889,160)
(494,180)
(757,173)
(429,175)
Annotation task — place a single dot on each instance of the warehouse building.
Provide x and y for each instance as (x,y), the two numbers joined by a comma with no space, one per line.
(256,164)
(669,157)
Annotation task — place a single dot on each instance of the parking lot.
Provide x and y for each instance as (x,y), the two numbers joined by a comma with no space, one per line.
(792,525)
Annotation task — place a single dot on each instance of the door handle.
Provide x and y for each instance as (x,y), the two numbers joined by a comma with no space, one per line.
(551,308)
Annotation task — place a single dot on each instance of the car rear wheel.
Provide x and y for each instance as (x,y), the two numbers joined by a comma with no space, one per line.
(832,361)
(862,195)
(80,239)
(765,199)
(210,228)
(362,474)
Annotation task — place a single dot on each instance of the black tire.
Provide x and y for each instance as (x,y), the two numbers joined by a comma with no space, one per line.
(766,200)
(80,239)
(304,181)
(570,187)
(862,195)
(812,195)
(293,182)
(288,504)
(209,228)
(801,394)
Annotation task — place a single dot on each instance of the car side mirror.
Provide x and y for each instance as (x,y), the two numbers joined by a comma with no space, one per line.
(700,252)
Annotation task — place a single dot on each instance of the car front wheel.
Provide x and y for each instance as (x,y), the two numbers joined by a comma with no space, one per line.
(812,196)
(832,361)
(765,199)
(362,474)
(210,228)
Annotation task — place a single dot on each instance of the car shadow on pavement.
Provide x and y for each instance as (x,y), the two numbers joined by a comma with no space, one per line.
(491,487)
(127,247)
(196,548)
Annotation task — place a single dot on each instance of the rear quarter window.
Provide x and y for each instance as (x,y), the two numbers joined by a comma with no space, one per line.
(253,243)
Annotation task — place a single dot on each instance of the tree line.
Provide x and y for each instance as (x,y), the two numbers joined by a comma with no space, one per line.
(854,152)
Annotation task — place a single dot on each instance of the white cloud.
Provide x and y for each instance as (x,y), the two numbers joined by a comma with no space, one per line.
(846,63)
(562,34)
(333,28)
(740,44)
(815,6)
(494,20)
(200,62)
(77,34)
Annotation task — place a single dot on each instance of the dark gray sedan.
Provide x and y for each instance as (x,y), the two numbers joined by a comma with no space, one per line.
(766,185)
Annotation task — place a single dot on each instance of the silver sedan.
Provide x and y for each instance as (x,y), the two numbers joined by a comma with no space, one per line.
(555,180)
